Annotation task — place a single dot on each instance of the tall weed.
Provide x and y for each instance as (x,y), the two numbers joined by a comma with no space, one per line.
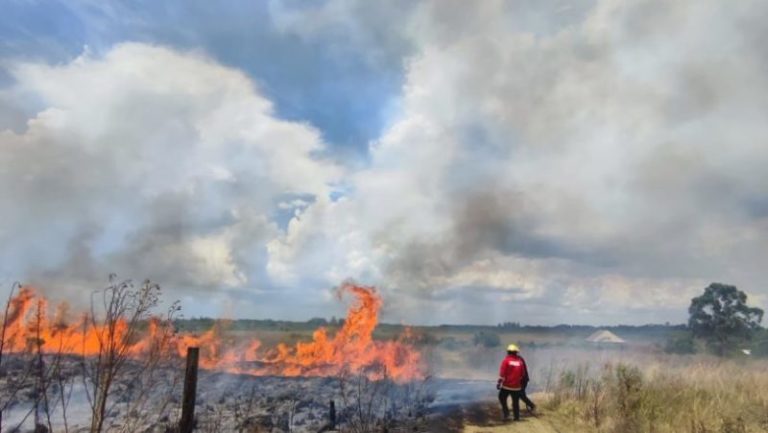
(665,396)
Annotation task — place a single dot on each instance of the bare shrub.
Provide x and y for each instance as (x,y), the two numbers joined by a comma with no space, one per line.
(627,391)
(596,409)
(117,322)
(364,401)
(246,418)
(17,382)
(381,405)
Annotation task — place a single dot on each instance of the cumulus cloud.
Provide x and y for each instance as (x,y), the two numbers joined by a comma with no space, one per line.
(150,163)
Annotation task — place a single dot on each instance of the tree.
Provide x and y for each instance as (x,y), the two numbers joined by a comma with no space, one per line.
(722,317)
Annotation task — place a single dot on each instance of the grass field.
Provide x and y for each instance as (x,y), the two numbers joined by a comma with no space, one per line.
(696,394)
(650,394)
(636,392)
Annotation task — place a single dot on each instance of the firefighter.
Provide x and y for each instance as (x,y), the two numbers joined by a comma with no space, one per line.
(513,377)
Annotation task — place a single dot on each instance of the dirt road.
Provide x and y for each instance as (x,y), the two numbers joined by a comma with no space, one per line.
(485,418)
(526,425)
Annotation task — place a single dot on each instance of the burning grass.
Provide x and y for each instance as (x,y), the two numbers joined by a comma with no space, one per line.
(351,348)
(249,385)
(117,367)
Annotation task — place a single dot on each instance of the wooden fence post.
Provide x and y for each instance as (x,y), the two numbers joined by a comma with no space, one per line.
(187,422)
(332,416)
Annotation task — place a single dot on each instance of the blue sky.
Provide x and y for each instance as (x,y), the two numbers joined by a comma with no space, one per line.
(540,162)
(326,82)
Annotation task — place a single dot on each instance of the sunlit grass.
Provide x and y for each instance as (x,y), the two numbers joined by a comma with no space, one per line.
(693,394)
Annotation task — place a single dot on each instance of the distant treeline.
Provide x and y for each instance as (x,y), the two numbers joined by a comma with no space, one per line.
(203,323)
(564,327)
(649,330)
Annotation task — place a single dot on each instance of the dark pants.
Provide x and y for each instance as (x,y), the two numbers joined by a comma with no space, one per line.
(504,395)
(528,403)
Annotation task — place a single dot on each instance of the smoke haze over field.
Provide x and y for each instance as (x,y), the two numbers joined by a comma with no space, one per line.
(541,162)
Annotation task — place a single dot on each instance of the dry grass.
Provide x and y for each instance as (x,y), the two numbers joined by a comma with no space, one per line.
(630,391)
(694,394)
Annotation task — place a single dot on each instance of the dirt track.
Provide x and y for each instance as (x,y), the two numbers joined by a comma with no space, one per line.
(526,425)
(486,418)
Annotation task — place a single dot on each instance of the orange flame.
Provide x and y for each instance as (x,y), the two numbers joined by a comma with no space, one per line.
(351,349)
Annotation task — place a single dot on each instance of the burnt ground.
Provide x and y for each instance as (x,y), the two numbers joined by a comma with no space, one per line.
(242,403)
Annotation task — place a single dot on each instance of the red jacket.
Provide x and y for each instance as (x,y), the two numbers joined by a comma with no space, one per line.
(513,373)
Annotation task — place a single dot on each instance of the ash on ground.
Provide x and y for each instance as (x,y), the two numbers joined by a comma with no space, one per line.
(225,402)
